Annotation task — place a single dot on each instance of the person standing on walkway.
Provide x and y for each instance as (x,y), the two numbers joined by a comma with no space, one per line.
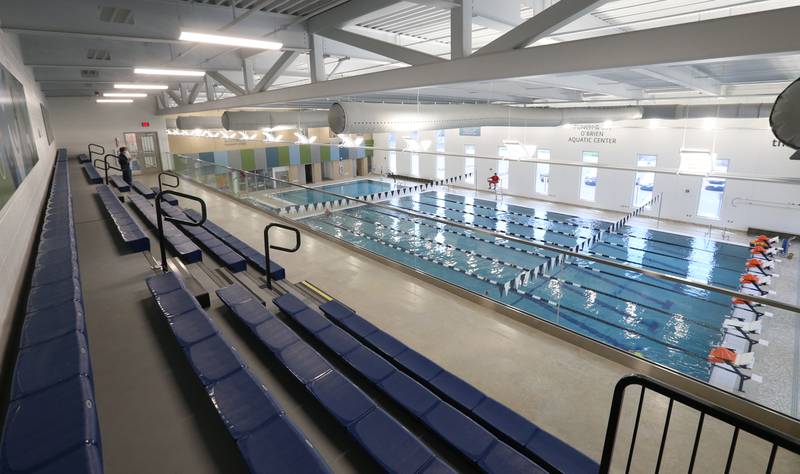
(124,159)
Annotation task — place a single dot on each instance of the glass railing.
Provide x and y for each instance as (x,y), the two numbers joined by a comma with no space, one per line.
(680,303)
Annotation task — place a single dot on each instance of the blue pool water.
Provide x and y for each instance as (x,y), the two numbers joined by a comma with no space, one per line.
(667,323)
(358,188)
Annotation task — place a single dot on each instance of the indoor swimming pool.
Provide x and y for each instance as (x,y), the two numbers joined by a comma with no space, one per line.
(361,187)
(668,323)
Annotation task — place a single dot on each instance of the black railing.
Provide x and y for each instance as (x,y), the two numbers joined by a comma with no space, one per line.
(92,151)
(160,217)
(267,246)
(106,166)
(706,409)
(161,182)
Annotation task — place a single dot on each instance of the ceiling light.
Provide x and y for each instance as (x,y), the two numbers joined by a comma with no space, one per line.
(141,86)
(114,101)
(124,94)
(168,72)
(229,40)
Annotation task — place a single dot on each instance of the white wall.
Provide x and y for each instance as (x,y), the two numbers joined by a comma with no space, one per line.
(20,215)
(748,144)
(78,121)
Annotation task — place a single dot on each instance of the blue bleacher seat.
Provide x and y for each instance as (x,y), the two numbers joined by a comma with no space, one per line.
(242,403)
(133,235)
(253,256)
(460,431)
(510,426)
(40,326)
(168,198)
(386,440)
(232,260)
(289,304)
(369,364)
(144,190)
(49,424)
(82,158)
(288,451)
(409,393)
(268,441)
(84,460)
(249,309)
(43,365)
(91,173)
(117,181)
(338,340)
(186,250)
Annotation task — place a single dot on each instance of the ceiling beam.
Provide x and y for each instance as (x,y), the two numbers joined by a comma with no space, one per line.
(195,91)
(591,84)
(210,92)
(284,61)
(722,39)
(174,95)
(683,76)
(389,50)
(461,30)
(551,19)
(226,83)
(316,59)
(345,13)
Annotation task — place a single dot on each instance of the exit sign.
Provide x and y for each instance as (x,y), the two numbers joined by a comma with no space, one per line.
(145,124)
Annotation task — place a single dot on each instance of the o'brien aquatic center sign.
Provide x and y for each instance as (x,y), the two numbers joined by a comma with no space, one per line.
(592,134)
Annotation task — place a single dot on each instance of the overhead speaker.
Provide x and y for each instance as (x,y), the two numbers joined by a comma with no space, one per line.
(785,118)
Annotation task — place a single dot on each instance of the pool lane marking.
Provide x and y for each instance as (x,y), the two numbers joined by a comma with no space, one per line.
(623,234)
(419,220)
(677,272)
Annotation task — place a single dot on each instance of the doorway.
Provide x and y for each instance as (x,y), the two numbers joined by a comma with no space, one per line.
(144,148)
(309,174)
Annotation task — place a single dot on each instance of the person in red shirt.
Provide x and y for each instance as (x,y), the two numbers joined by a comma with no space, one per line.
(493,181)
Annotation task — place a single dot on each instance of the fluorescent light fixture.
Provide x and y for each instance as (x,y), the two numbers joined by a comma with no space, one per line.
(304,140)
(229,40)
(414,146)
(168,72)
(114,101)
(709,123)
(161,87)
(124,94)
(349,141)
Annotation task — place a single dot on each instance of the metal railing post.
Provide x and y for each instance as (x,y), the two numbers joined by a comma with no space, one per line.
(160,217)
(101,152)
(267,246)
(107,166)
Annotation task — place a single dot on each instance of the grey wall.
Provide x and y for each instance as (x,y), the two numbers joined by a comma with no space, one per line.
(20,216)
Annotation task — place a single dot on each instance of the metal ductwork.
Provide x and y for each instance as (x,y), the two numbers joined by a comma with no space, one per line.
(723,111)
(353,117)
(191,122)
(261,120)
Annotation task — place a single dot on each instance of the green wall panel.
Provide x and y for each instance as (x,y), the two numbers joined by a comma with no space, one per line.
(248,160)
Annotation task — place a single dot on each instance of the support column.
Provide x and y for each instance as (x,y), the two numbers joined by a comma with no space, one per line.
(461,30)
(210,94)
(316,60)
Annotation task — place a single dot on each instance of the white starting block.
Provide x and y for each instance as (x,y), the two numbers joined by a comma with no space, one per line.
(751,327)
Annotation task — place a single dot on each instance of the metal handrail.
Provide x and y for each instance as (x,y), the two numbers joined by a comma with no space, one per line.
(738,422)
(160,217)
(267,246)
(533,243)
(106,166)
(161,183)
(101,152)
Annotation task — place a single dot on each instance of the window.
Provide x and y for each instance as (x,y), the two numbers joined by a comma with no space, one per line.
(542,172)
(469,164)
(643,186)
(440,163)
(502,172)
(712,192)
(415,156)
(589,176)
(392,154)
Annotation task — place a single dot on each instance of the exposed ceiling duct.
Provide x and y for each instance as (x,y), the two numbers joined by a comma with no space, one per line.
(723,111)
(191,122)
(350,117)
(261,120)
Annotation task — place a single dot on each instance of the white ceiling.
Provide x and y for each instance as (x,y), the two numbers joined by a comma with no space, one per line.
(78,47)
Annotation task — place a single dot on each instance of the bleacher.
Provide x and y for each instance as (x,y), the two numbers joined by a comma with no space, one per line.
(380,434)
(127,227)
(232,260)
(267,439)
(91,173)
(253,256)
(516,430)
(180,244)
(140,188)
(51,423)
(119,183)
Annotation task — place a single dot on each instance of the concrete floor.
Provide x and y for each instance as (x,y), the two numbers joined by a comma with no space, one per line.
(155,420)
